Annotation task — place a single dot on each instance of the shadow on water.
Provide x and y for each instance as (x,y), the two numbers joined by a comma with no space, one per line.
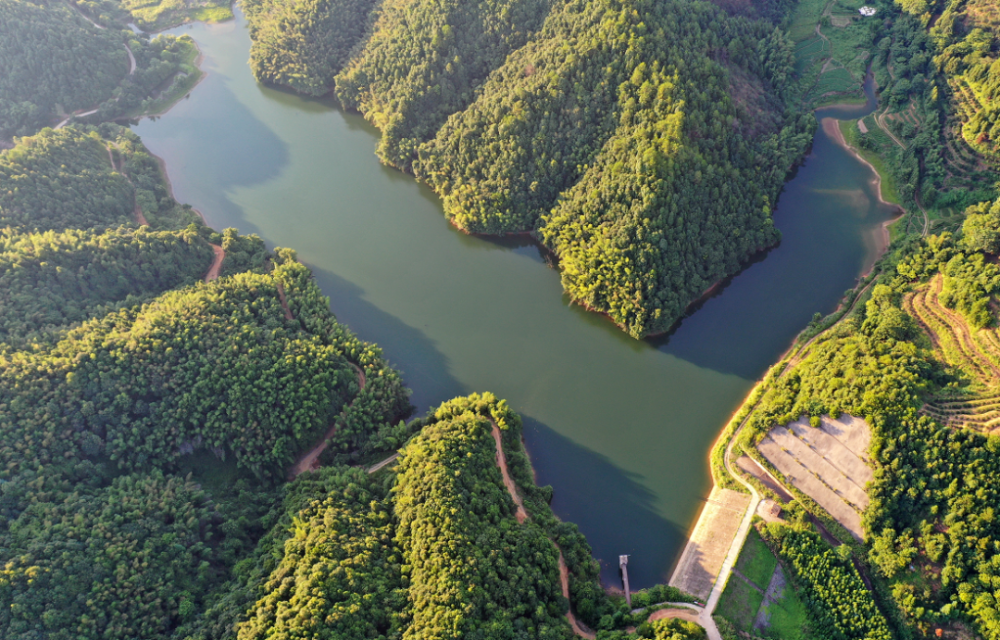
(427,373)
(611,506)
(749,319)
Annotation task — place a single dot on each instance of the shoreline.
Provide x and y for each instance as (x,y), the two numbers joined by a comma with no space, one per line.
(880,235)
(831,126)
(202,75)
(162,164)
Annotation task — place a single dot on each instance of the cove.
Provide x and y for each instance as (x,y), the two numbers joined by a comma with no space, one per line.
(620,428)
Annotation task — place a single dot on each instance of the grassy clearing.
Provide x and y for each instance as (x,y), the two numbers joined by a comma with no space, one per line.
(756,561)
(852,135)
(157,15)
(787,617)
(836,81)
(739,603)
(212,14)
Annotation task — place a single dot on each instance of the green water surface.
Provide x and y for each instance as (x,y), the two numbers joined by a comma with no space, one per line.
(621,428)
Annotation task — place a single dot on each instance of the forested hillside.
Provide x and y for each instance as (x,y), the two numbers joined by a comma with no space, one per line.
(55,62)
(643,142)
(968,53)
(425,60)
(436,545)
(933,135)
(150,414)
(58,279)
(642,167)
(119,368)
(304,45)
(51,58)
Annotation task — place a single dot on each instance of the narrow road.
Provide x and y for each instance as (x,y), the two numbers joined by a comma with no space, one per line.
(508,482)
(881,125)
(689,615)
(384,463)
(85,16)
(310,459)
(140,218)
(213,271)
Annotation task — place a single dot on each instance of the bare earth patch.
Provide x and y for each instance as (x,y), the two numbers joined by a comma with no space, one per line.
(828,464)
(709,543)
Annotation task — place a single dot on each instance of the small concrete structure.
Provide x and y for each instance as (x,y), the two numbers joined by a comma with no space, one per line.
(867,11)
(623,567)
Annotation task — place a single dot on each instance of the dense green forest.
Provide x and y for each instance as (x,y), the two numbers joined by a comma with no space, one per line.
(304,45)
(837,599)
(645,143)
(59,279)
(55,62)
(122,371)
(51,58)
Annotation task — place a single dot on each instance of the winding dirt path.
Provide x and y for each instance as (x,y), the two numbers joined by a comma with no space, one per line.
(522,515)
(688,615)
(881,125)
(309,461)
(213,271)
(508,482)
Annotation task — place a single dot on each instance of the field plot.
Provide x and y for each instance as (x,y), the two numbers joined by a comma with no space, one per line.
(973,352)
(758,599)
(709,543)
(828,464)
(830,49)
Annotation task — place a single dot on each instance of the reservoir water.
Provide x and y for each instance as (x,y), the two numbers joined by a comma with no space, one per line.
(620,428)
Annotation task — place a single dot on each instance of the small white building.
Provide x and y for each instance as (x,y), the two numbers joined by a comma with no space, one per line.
(867,11)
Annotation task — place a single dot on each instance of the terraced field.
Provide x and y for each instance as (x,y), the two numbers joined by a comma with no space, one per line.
(976,353)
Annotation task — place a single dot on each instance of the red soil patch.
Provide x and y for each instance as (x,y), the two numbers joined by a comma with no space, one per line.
(213,271)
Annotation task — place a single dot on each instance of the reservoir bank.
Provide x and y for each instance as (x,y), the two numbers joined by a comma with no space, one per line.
(620,428)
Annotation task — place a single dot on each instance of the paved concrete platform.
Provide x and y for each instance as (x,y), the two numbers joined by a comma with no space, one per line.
(709,543)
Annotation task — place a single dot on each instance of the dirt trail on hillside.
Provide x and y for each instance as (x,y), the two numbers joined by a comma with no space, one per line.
(522,515)
(213,271)
(309,461)
(508,482)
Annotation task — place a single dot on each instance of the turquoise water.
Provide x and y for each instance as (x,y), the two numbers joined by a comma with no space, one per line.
(621,428)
